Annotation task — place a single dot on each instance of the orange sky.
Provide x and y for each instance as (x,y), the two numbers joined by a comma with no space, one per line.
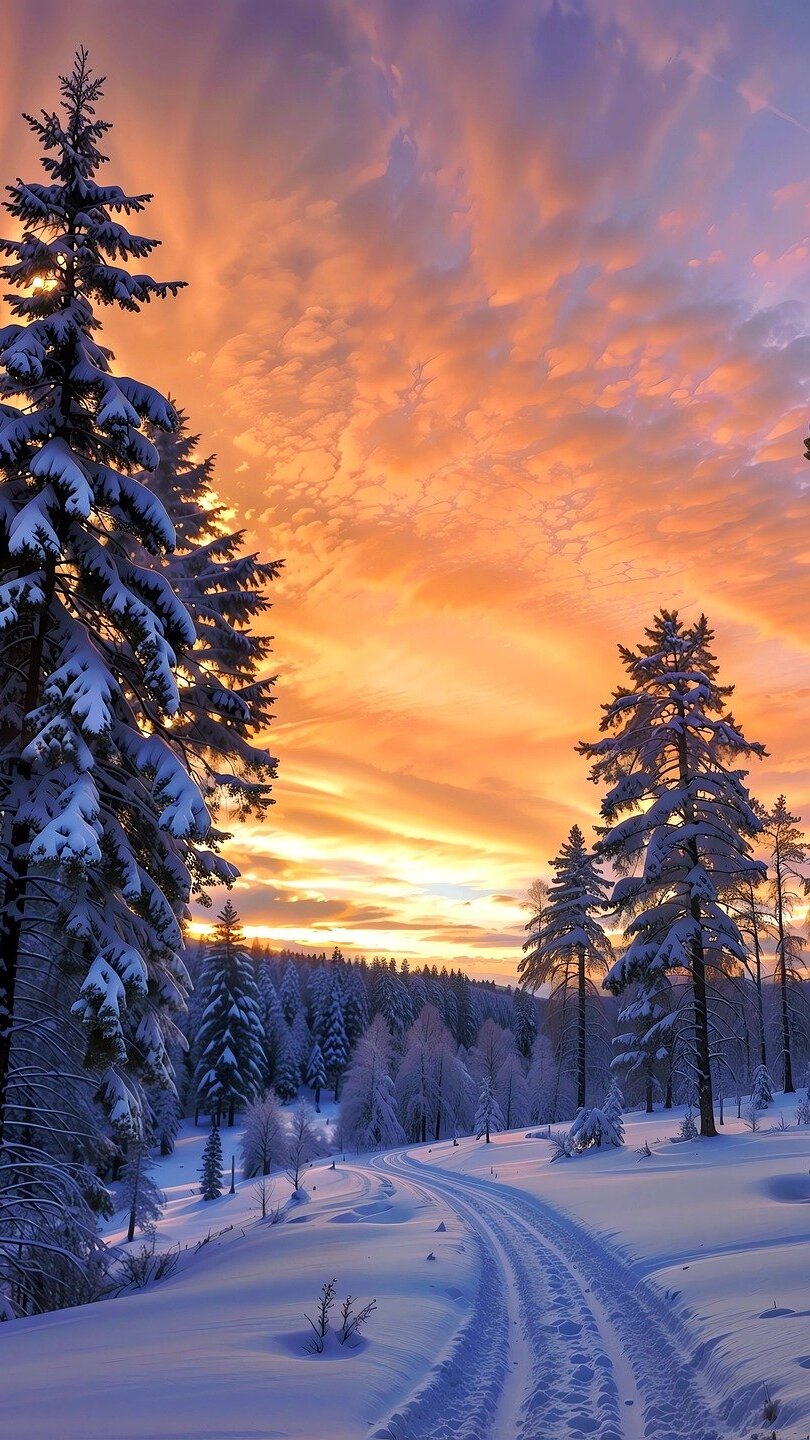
(496,321)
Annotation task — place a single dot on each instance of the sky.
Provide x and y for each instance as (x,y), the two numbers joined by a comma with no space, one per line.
(497,324)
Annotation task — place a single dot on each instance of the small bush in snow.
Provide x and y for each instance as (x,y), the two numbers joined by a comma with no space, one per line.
(751,1119)
(262,1193)
(351,1321)
(687,1129)
(644,1152)
(803,1111)
(560,1146)
(320,1325)
(593,1128)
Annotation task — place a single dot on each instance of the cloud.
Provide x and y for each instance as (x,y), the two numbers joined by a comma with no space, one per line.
(459,369)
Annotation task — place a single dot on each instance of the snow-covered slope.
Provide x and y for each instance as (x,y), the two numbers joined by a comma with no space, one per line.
(594,1297)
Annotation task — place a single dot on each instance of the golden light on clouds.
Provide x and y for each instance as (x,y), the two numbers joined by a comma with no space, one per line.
(496,322)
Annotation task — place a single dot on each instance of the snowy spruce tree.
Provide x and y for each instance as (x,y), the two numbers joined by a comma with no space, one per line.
(335,1045)
(567,943)
(788,850)
(165,1118)
(230,1070)
(316,1076)
(368,1110)
(678,821)
(140,1196)
(761,1089)
(488,1116)
(102,822)
(211,1167)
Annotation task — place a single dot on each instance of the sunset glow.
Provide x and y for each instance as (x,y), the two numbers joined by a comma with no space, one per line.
(496,322)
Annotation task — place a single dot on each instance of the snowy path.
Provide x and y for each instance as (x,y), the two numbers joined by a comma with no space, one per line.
(563,1339)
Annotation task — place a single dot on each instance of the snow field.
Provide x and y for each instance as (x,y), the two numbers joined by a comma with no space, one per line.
(218,1351)
(714,1231)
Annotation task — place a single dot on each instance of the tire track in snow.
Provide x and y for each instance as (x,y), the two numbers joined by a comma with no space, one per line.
(589,1337)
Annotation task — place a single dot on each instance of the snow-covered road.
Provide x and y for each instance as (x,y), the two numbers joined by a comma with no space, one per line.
(563,1340)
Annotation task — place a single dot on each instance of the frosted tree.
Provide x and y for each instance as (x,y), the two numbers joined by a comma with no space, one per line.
(566,943)
(593,1128)
(104,827)
(272,1018)
(225,700)
(289,992)
(368,1110)
(140,1196)
(211,1167)
(761,1089)
(355,1008)
(165,1117)
(613,1109)
(288,1066)
(676,807)
(646,1036)
(230,1070)
(420,1073)
(787,850)
(316,1076)
(512,1092)
(264,1139)
(541,1082)
(488,1117)
(303,1144)
(335,1044)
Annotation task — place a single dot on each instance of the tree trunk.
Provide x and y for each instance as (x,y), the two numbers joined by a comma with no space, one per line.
(698,965)
(581,995)
(13,910)
(649,1093)
(134,1206)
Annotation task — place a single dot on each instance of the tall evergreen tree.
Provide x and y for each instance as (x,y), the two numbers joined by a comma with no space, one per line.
(566,941)
(787,850)
(211,1167)
(335,1044)
(488,1116)
(230,1070)
(368,1110)
(316,1076)
(102,822)
(141,1197)
(675,802)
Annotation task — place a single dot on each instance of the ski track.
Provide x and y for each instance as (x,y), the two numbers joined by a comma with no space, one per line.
(575,1331)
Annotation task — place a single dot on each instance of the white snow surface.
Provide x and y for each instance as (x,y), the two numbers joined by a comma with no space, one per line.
(607,1296)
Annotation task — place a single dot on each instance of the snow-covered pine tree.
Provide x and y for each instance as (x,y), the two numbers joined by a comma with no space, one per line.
(272,1019)
(613,1109)
(787,850)
(593,1128)
(566,942)
(165,1117)
(316,1076)
(335,1042)
(211,1167)
(646,1037)
(140,1196)
(761,1089)
(102,821)
(224,701)
(676,801)
(264,1140)
(230,1070)
(289,992)
(368,1109)
(488,1117)
(288,1068)
(512,1092)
